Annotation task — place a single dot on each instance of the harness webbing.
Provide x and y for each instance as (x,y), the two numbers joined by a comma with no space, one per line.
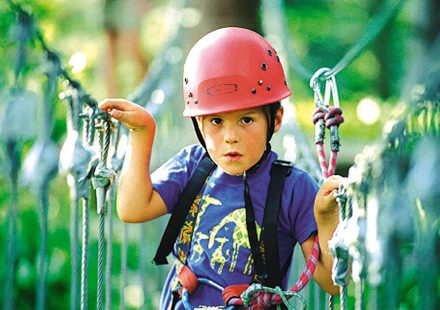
(260,267)
(269,239)
(280,169)
(181,210)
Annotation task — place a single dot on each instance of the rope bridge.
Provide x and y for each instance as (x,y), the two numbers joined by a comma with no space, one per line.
(381,179)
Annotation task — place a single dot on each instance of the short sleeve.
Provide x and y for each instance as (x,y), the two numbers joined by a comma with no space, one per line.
(170,179)
(304,198)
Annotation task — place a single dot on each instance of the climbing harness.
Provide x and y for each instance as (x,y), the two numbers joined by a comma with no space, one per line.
(326,116)
(187,282)
(257,296)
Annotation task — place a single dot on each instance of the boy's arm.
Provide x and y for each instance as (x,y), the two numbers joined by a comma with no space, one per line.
(136,201)
(326,216)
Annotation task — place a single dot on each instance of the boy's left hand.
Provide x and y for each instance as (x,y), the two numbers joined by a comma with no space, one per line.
(325,201)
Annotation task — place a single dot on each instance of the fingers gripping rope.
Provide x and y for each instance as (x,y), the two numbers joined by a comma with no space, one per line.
(102,180)
(326,116)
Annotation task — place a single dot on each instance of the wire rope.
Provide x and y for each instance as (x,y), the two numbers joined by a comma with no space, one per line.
(85,254)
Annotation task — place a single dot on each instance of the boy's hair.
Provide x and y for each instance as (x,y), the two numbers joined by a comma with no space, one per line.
(271,111)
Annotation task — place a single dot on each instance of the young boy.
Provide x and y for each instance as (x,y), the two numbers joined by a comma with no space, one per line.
(233,83)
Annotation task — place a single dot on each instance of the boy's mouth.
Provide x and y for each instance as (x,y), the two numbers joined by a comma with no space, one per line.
(233,156)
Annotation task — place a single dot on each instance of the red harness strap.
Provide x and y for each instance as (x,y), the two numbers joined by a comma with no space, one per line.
(187,279)
(231,294)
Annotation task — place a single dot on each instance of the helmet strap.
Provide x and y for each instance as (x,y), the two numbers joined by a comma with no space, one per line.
(272,112)
(198,132)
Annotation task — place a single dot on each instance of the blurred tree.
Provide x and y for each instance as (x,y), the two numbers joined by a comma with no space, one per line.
(122,21)
(222,13)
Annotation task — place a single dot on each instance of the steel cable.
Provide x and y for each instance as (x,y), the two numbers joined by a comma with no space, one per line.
(85,254)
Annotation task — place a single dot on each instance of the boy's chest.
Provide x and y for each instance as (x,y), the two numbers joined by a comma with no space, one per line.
(220,239)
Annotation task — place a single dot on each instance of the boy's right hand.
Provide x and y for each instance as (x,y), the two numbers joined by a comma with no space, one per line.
(132,115)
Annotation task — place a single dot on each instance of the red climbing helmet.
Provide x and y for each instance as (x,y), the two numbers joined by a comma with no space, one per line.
(232,69)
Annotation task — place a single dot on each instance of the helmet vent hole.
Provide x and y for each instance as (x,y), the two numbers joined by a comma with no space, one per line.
(268,87)
(260,82)
(190,95)
(269,52)
(254,91)
(196,101)
(278,58)
(186,80)
(263,66)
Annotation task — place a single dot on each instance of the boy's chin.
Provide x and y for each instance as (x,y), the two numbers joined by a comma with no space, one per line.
(235,170)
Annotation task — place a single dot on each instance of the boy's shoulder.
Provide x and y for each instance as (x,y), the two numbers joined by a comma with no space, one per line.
(194,149)
(193,152)
(299,177)
(189,156)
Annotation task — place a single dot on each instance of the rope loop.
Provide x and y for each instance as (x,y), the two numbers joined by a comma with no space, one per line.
(319,114)
(333,117)
(326,116)
(259,297)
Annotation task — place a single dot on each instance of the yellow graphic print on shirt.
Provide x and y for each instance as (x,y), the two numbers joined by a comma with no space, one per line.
(229,235)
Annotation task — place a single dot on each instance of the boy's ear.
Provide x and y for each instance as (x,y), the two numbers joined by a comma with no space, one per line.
(278,119)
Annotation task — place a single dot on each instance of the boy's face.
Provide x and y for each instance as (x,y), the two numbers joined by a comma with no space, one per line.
(236,140)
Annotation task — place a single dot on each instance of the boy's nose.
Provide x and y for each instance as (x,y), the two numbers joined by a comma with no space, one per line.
(230,135)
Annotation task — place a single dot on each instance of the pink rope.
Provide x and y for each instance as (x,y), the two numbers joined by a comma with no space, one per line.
(331,119)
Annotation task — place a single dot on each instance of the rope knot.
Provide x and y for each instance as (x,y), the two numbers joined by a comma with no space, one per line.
(333,117)
(318,114)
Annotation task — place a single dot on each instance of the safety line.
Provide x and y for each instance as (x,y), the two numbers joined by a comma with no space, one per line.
(387,11)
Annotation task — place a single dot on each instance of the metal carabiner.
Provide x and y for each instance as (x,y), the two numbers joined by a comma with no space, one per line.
(315,84)
(331,90)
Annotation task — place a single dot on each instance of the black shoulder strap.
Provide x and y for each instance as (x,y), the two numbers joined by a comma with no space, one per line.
(280,169)
(181,210)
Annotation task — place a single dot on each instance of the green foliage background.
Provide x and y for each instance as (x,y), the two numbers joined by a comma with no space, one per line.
(322,31)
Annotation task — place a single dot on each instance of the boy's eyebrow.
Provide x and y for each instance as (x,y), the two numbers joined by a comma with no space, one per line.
(243,113)
(252,112)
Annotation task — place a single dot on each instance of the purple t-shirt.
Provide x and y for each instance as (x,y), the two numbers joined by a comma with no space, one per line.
(220,249)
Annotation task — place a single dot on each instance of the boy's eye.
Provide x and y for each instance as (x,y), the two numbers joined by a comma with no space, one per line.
(216,121)
(247,120)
